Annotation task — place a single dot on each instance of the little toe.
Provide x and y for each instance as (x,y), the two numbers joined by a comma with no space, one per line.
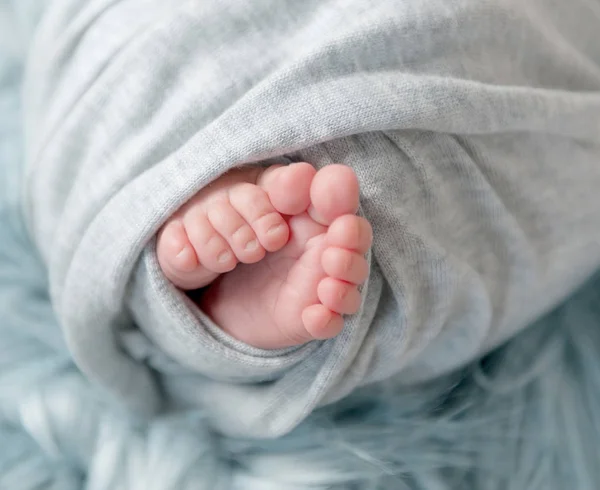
(339,296)
(174,251)
(288,187)
(345,265)
(255,208)
(236,231)
(177,258)
(350,232)
(211,248)
(321,323)
(334,192)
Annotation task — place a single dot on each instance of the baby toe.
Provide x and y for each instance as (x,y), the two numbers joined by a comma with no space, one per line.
(211,248)
(254,206)
(236,231)
(321,323)
(334,192)
(345,265)
(339,296)
(174,251)
(177,258)
(350,232)
(288,187)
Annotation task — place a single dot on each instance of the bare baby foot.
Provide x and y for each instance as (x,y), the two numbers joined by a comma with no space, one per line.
(299,245)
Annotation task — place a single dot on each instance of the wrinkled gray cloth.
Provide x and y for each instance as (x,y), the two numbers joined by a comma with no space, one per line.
(473,125)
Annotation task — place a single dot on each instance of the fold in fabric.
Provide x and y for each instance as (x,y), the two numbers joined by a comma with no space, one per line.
(473,126)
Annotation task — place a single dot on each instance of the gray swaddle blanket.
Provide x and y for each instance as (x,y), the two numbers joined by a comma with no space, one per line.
(473,125)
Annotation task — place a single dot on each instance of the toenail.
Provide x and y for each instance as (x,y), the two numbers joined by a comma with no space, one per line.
(251,245)
(347,263)
(224,257)
(274,229)
(185,259)
(183,253)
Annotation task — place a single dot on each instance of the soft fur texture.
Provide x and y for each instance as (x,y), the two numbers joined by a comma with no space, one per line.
(525,417)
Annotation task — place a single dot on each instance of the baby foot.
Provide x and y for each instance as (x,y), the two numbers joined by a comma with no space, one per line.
(236,219)
(300,292)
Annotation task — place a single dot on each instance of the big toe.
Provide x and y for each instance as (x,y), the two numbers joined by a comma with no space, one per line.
(334,192)
(288,187)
